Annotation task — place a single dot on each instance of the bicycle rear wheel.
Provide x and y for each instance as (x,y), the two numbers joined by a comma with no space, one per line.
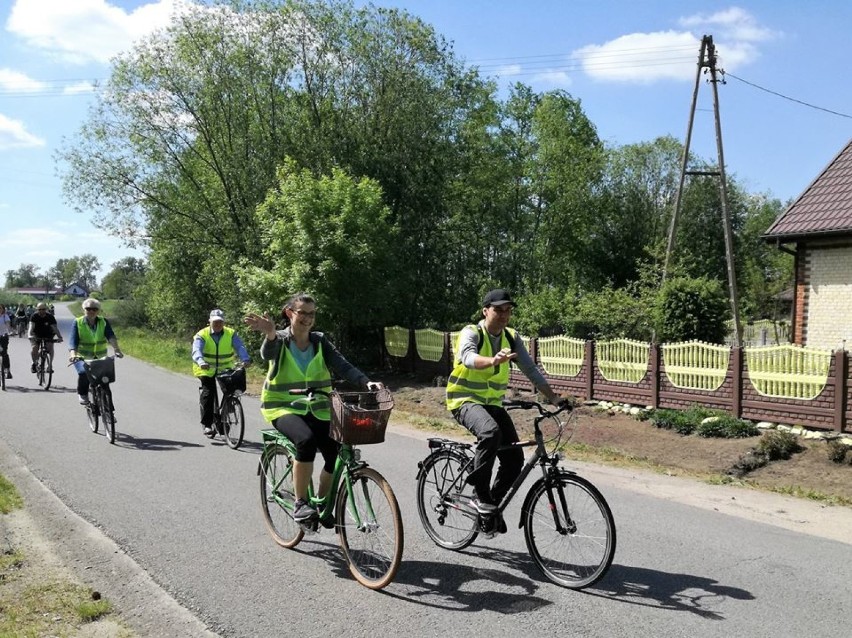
(578,551)
(370,528)
(277,495)
(233,422)
(444,513)
(107,412)
(48,371)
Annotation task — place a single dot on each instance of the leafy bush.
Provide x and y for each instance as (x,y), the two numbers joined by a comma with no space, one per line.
(837,451)
(680,422)
(692,308)
(777,445)
(612,313)
(727,427)
(130,313)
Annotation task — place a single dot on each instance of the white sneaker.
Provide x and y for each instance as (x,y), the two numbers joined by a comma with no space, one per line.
(83,399)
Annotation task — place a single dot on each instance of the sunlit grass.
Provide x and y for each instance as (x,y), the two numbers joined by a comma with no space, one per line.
(9,497)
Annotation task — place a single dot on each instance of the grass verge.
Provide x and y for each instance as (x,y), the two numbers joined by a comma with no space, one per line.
(37,597)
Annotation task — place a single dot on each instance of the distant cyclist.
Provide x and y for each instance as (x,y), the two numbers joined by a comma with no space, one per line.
(5,331)
(42,326)
(214,349)
(89,337)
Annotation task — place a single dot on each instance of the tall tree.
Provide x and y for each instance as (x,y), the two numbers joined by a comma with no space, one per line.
(24,276)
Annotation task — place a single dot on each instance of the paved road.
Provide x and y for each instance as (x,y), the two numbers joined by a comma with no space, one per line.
(186,510)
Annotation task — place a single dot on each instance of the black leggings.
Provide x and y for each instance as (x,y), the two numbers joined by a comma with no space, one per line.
(309,434)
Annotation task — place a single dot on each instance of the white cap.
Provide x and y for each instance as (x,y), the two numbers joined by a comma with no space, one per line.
(216,315)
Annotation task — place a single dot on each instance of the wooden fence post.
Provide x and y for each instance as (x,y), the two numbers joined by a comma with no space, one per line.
(655,376)
(840,387)
(412,350)
(737,385)
(590,370)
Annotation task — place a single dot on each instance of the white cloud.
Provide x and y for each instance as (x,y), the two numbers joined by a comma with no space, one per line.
(78,88)
(86,30)
(30,237)
(13,134)
(643,58)
(552,78)
(13,81)
(509,70)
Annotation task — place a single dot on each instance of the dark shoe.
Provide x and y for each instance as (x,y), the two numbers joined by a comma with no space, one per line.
(33,368)
(500,525)
(8,374)
(303,512)
(208,430)
(83,399)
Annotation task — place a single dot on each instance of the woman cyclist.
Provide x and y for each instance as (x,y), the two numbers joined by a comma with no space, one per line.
(300,358)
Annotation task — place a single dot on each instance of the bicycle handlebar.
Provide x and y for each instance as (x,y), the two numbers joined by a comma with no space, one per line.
(565,405)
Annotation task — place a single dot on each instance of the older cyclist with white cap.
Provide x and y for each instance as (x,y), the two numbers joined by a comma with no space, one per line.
(89,337)
(214,349)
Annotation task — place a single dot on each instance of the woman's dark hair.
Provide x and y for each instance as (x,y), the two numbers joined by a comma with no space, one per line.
(291,302)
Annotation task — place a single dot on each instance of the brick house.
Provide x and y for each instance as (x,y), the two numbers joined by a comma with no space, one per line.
(817,230)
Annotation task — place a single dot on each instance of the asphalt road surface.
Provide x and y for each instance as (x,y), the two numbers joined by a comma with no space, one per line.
(166,500)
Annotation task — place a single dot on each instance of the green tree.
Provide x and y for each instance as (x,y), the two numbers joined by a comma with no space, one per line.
(326,236)
(25,276)
(124,278)
(692,308)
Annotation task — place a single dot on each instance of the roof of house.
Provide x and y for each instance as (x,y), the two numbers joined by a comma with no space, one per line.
(824,208)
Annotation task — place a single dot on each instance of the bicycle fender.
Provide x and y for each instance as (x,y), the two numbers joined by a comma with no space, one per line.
(527,501)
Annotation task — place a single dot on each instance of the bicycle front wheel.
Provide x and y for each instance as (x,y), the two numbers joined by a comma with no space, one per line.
(42,367)
(569,530)
(234,422)
(107,412)
(277,495)
(370,528)
(92,412)
(48,371)
(442,497)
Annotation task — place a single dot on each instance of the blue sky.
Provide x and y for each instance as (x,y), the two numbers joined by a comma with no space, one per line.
(632,65)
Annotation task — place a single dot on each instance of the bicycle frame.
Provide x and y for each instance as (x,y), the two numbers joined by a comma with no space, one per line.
(541,457)
(348,460)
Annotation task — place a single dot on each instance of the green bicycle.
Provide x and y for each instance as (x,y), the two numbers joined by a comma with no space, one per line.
(360,504)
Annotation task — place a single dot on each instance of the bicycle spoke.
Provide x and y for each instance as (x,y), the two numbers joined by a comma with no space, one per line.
(370,528)
(574,542)
(445,515)
(277,496)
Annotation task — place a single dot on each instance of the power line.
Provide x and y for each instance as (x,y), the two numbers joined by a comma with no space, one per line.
(787,97)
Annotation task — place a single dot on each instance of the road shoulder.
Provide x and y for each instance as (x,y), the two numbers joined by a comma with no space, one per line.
(96,560)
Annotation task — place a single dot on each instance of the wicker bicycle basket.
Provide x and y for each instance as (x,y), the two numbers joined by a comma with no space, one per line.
(99,369)
(360,418)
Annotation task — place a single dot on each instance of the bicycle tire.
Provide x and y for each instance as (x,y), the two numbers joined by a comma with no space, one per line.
(40,369)
(92,413)
(107,411)
(277,496)
(48,373)
(372,549)
(447,524)
(233,422)
(580,555)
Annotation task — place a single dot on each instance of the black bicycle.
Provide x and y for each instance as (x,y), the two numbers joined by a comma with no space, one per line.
(101,373)
(44,363)
(568,526)
(229,420)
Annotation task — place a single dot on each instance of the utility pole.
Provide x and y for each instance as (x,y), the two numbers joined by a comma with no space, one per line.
(707,60)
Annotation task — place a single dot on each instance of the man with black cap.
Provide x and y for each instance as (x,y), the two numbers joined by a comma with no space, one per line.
(215,348)
(475,392)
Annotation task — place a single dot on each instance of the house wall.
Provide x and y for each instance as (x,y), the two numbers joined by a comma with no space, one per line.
(827,308)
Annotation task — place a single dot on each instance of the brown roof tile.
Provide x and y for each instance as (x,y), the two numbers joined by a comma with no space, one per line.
(825,207)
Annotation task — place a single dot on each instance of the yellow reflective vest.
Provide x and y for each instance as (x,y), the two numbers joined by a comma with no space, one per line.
(486,386)
(220,356)
(284,375)
(91,342)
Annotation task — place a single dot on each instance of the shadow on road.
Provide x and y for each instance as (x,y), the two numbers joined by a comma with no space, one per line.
(664,590)
(156,445)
